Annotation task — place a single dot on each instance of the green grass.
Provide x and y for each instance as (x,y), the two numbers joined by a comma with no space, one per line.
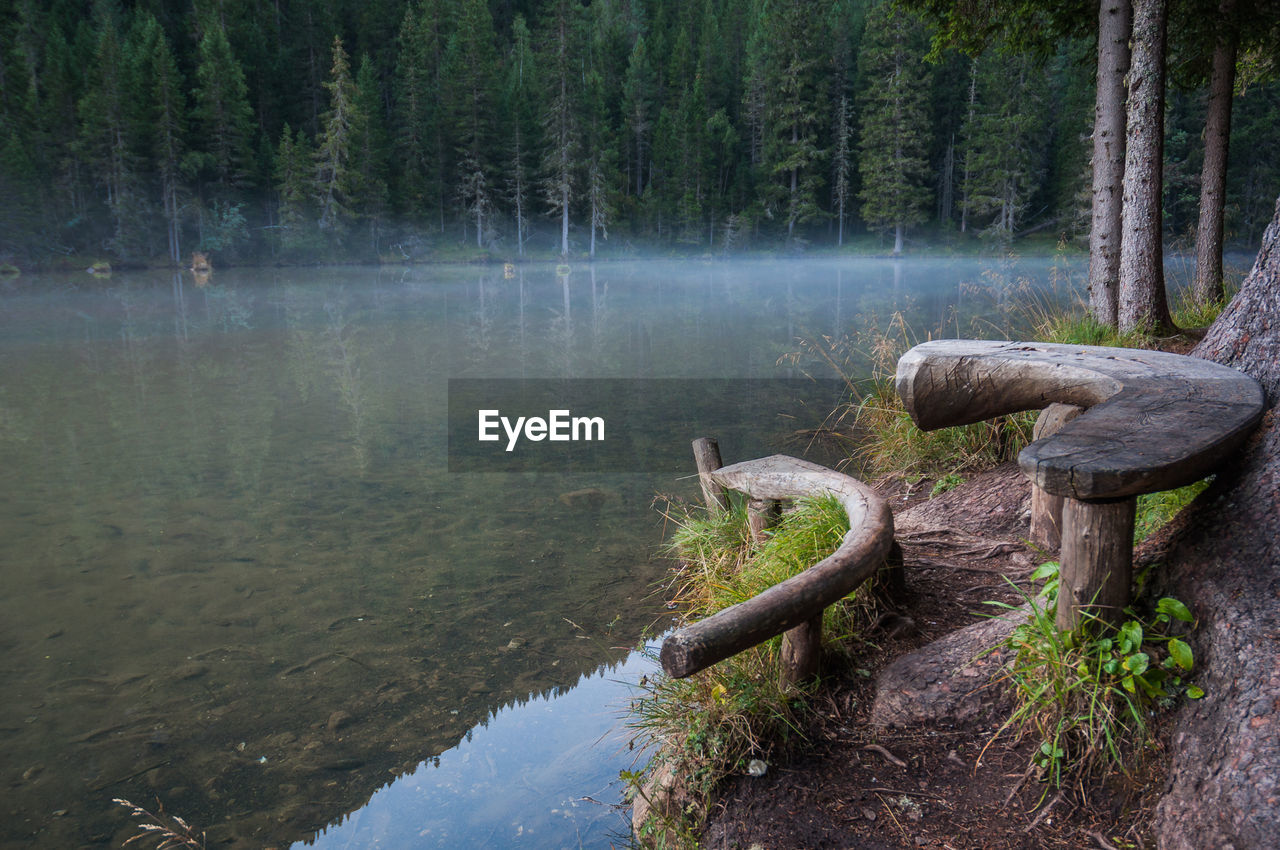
(1087,697)
(713,724)
(888,442)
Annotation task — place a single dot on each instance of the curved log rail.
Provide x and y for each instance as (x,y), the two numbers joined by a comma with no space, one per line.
(794,606)
(1152,421)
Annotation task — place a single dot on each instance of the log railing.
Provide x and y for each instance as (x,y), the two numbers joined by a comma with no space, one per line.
(793,607)
(1151,421)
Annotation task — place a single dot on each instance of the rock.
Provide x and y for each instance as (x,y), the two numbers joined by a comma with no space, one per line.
(338,720)
(653,798)
(946,682)
(587,497)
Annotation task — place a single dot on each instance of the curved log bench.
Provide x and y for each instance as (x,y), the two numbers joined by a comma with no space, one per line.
(793,606)
(1152,421)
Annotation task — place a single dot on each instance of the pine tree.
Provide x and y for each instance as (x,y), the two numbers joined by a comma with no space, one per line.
(371,150)
(223,116)
(416,87)
(638,110)
(841,165)
(335,176)
(794,104)
(294,181)
(108,114)
(893,166)
(519,95)
(470,70)
(1005,137)
(560,119)
(167,121)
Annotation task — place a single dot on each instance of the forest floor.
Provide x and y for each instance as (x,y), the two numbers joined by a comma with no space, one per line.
(952,783)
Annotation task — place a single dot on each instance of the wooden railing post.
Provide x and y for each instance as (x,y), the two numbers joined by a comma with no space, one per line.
(1046,507)
(706,454)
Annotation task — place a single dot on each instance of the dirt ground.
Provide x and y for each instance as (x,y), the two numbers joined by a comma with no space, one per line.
(943,785)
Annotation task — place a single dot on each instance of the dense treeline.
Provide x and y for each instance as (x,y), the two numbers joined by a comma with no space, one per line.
(299,131)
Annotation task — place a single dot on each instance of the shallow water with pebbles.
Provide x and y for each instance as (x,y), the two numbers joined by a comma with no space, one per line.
(239,579)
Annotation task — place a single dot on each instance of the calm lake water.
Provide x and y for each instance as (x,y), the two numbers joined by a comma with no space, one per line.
(239,579)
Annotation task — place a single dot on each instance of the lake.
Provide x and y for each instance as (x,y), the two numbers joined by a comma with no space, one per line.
(241,580)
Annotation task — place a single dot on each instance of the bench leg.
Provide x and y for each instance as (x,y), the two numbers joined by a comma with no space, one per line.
(761,514)
(1096,564)
(1046,508)
(801,650)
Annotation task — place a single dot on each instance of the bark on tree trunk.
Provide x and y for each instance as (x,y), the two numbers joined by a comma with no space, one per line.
(1115,22)
(1213,175)
(1222,557)
(1142,296)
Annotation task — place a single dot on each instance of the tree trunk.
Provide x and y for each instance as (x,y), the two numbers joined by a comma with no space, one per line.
(1213,175)
(1115,21)
(1222,557)
(1142,297)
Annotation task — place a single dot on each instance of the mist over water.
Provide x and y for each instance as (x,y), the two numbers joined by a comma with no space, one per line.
(240,579)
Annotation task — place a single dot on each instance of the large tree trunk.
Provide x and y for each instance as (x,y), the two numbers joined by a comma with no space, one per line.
(1222,557)
(1142,297)
(1213,176)
(1115,21)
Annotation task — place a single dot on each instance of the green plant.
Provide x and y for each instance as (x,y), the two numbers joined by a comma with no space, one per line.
(715,723)
(1087,695)
(1156,509)
(888,442)
(950,481)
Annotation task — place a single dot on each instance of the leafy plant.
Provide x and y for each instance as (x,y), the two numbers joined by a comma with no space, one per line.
(1087,695)
(950,481)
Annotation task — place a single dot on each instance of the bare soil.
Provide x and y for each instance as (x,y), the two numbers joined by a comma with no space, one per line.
(852,784)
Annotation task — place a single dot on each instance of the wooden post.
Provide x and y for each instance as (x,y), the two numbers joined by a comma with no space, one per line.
(761,514)
(706,454)
(1096,565)
(801,651)
(1046,508)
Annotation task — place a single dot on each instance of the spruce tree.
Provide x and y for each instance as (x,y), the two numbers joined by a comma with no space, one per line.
(334,174)
(168,125)
(109,123)
(223,117)
(371,150)
(795,105)
(520,108)
(469,80)
(560,123)
(1005,138)
(895,123)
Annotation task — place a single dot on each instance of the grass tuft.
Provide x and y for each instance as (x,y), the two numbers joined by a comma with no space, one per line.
(724,720)
(1087,697)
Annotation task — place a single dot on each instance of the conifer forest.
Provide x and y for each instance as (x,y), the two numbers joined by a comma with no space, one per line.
(299,131)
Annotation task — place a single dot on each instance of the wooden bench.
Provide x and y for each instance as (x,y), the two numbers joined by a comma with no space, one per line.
(794,606)
(1152,421)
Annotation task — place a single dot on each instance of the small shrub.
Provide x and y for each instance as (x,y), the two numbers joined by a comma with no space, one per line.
(1087,696)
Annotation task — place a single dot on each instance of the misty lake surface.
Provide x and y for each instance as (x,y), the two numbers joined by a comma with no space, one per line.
(239,578)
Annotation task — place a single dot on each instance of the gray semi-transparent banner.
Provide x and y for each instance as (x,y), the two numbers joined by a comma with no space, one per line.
(628,425)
